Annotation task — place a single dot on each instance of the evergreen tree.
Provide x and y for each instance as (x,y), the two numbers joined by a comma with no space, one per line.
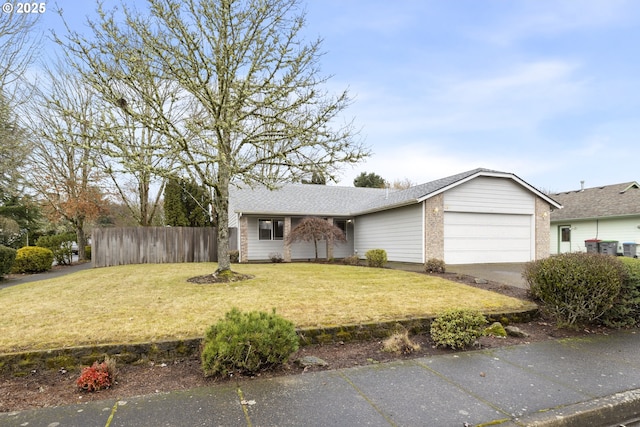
(186,204)
(370,180)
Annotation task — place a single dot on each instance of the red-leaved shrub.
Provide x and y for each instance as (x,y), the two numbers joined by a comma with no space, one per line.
(95,377)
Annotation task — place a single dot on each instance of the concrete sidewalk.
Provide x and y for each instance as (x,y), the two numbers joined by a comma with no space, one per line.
(573,382)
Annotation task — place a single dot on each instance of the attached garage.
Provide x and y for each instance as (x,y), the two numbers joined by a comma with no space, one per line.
(471,238)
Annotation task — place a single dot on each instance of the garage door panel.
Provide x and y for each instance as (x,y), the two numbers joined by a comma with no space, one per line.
(476,257)
(481,245)
(481,232)
(486,238)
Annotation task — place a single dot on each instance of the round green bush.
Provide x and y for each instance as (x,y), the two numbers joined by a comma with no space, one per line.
(248,343)
(457,328)
(376,257)
(7,258)
(625,311)
(32,259)
(575,288)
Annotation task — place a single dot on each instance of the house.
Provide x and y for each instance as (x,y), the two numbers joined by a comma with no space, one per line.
(611,212)
(478,216)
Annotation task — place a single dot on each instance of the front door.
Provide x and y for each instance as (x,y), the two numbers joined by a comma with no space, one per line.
(564,239)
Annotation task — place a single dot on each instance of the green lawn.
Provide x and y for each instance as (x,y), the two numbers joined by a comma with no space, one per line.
(153,302)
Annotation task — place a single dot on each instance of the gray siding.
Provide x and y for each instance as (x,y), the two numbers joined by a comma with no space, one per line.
(490,195)
(261,249)
(398,231)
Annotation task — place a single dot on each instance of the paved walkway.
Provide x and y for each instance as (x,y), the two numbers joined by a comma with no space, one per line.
(575,382)
(25,278)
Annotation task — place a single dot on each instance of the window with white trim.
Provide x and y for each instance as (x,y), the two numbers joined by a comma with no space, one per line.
(270,229)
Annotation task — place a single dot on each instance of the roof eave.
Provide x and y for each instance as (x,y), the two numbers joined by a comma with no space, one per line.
(496,175)
(303,214)
(387,207)
(593,218)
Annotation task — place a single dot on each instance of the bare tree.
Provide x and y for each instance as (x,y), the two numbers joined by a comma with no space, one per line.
(63,170)
(18,38)
(254,106)
(13,149)
(133,155)
(402,184)
(314,229)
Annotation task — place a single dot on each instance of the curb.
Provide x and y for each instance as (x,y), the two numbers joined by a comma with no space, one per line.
(605,411)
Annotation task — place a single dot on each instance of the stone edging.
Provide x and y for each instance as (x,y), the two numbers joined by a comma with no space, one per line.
(24,363)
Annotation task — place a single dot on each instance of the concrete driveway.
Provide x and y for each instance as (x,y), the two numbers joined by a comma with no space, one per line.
(506,273)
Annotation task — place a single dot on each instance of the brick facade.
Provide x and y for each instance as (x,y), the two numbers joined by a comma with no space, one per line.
(434,227)
(286,255)
(543,229)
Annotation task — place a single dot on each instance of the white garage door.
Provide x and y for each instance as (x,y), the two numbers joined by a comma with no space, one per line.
(471,238)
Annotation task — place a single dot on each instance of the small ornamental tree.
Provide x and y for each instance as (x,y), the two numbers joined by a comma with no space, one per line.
(315,229)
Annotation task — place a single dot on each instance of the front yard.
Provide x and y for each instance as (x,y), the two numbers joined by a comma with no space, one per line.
(139,303)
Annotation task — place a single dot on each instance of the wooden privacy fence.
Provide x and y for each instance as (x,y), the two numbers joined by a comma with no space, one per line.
(153,245)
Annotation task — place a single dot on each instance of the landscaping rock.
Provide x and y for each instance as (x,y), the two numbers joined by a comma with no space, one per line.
(480,281)
(309,361)
(514,331)
(496,329)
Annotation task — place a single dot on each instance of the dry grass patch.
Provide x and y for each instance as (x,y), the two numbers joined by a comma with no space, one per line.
(153,302)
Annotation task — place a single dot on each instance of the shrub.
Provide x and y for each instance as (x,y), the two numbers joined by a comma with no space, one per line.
(32,259)
(234,256)
(575,288)
(247,343)
(625,311)
(434,265)
(275,257)
(98,376)
(87,252)
(376,257)
(399,342)
(457,328)
(7,258)
(60,245)
(351,260)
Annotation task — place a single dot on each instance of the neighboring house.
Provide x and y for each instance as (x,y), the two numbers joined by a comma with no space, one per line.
(611,212)
(479,216)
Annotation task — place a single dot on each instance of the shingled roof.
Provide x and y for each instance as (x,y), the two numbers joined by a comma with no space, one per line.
(617,200)
(327,200)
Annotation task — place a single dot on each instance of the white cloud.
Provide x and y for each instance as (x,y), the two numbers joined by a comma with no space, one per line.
(552,18)
(520,97)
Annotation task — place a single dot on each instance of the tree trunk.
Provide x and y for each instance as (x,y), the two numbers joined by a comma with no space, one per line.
(315,243)
(82,242)
(221,203)
(143,189)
